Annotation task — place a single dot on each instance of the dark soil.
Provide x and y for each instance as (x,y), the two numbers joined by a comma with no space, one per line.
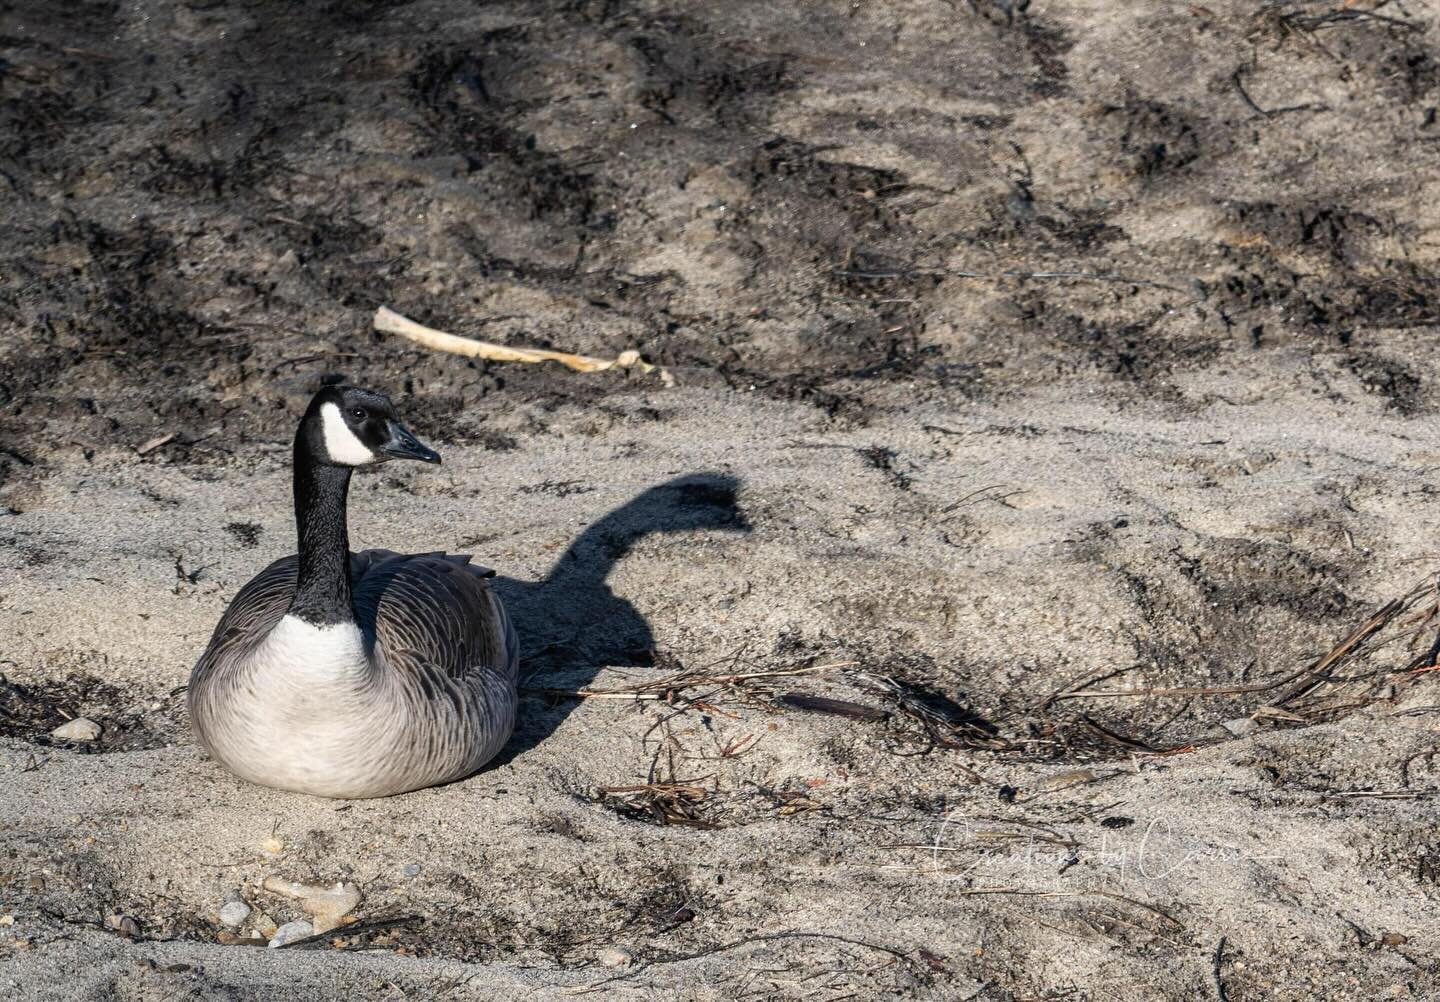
(202,219)
(31,712)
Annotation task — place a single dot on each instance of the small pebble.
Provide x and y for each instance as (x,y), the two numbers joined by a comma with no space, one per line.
(1240,727)
(1070,777)
(615,956)
(290,932)
(411,869)
(1394,939)
(123,924)
(907,981)
(227,938)
(79,729)
(264,925)
(233,913)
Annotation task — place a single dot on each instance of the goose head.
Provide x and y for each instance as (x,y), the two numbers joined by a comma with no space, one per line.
(348,426)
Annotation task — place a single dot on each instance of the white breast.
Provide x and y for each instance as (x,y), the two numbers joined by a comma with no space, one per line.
(311,655)
(312,711)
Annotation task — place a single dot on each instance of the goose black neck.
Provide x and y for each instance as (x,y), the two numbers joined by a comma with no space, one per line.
(322,590)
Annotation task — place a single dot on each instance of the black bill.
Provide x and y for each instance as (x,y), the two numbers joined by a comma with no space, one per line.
(403,445)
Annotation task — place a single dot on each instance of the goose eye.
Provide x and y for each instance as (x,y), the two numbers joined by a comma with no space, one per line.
(357,412)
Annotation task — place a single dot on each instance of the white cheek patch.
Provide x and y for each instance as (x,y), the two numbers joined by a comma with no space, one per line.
(340,441)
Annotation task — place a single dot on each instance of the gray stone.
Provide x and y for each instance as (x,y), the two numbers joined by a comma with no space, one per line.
(233,913)
(290,932)
(79,729)
(615,956)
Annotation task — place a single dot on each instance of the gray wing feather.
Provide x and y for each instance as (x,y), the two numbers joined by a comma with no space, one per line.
(438,607)
(253,613)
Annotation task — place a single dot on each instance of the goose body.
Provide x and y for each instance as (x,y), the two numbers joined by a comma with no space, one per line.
(363,674)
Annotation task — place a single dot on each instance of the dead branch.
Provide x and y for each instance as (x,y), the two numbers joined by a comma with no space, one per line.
(359,928)
(899,955)
(387,321)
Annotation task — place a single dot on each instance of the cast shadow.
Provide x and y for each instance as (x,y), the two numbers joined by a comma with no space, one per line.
(571,624)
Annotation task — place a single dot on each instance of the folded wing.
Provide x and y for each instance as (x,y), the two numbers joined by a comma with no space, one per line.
(436,607)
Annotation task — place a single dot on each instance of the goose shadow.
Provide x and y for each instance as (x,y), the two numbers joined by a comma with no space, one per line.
(571,624)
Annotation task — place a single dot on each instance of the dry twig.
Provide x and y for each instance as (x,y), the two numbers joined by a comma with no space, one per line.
(1215,961)
(359,928)
(1032,893)
(899,955)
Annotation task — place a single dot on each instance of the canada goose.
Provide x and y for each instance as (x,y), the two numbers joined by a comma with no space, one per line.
(356,674)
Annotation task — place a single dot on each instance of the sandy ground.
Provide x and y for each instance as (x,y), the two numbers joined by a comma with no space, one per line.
(1031,358)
